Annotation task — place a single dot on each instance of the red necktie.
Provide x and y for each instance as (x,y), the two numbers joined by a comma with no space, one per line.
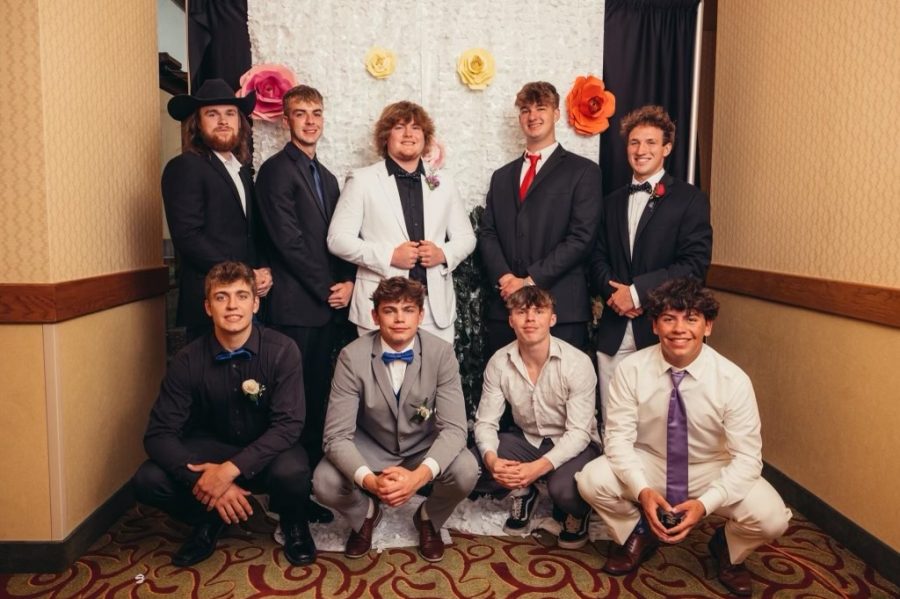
(529,175)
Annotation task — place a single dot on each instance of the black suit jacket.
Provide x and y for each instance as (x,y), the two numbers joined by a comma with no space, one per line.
(673,240)
(208,225)
(548,236)
(302,267)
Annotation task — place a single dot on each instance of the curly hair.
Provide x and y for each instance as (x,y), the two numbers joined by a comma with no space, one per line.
(401,112)
(225,273)
(651,116)
(682,295)
(398,289)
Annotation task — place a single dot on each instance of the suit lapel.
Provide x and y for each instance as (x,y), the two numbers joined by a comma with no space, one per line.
(381,375)
(412,372)
(551,164)
(389,187)
(223,172)
(430,211)
(307,178)
(649,211)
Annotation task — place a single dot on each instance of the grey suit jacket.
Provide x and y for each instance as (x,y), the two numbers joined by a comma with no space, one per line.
(366,425)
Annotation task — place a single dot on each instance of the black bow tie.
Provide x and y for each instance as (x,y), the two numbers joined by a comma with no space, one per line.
(636,187)
(241,353)
(411,176)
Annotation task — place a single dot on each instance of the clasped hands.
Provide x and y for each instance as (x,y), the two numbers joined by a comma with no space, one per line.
(513,474)
(217,490)
(621,301)
(395,485)
(510,283)
(692,509)
(424,252)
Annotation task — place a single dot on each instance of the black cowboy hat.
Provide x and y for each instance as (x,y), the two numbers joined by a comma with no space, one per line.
(213,91)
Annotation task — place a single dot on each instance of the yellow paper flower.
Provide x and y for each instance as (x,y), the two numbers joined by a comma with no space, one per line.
(476,68)
(380,62)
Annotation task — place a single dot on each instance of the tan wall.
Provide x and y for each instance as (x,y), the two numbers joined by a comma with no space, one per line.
(80,180)
(804,156)
(827,389)
(805,147)
(23,226)
(24,465)
(109,368)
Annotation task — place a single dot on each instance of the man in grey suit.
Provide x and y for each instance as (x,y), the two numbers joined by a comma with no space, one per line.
(396,421)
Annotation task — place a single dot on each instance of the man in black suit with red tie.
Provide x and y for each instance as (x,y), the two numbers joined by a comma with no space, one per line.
(540,222)
(208,196)
(297,196)
(652,231)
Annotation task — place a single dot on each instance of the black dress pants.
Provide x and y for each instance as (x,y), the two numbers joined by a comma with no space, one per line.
(286,479)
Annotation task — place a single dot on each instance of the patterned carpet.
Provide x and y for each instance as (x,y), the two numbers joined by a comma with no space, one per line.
(132,560)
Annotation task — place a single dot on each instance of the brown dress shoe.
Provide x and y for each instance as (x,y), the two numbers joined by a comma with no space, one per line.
(625,558)
(359,543)
(431,546)
(735,577)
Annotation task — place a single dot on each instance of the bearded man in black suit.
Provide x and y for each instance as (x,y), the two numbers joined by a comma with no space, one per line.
(654,230)
(540,222)
(208,196)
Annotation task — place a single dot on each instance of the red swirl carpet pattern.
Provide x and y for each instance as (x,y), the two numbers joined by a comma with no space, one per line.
(132,560)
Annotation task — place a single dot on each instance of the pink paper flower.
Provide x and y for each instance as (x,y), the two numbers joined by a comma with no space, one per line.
(270,82)
(434,155)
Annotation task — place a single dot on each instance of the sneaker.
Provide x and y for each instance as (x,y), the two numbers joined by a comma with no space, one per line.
(520,512)
(574,534)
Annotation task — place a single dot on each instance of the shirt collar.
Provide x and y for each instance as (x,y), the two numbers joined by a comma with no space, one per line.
(252,344)
(544,152)
(696,369)
(387,348)
(512,352)
(395,169)
(652,179)
(228,159)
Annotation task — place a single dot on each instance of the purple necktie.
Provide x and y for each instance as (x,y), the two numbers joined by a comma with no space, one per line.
(676,446)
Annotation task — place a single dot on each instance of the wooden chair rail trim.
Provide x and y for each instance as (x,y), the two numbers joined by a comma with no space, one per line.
(871,303)
(29,303)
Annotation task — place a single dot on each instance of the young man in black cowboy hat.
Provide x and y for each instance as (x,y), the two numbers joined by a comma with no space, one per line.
(208,195)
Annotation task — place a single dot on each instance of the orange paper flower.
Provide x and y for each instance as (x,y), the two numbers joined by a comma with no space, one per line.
(590,105)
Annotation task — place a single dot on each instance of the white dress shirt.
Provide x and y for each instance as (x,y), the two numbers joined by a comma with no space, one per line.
(396,372)
(559,406)
(722,420)
(234,169)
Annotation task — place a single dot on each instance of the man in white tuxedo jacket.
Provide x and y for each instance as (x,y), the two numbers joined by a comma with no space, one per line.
(397,218)
(396,421)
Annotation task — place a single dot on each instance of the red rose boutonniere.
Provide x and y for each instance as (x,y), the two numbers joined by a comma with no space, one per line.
(658,192)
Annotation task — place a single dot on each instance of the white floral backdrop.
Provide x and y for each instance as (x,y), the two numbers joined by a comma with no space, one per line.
(325,44)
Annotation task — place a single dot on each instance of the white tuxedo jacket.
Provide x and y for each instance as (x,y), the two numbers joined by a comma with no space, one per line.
(368,224)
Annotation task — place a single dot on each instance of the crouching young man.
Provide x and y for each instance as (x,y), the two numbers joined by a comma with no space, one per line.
(550,386)
(226,422)
(683,441)
(396,421)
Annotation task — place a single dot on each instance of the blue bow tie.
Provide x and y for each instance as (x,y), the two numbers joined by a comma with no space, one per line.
(389,356)
(243,353)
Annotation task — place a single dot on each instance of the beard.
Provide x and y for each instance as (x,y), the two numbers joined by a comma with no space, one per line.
(219,143)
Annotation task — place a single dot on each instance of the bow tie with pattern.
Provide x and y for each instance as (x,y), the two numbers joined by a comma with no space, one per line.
(414,176)
(389,356)
(241,353)
(636,187)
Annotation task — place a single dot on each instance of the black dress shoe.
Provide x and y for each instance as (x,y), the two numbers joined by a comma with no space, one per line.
(317,514)
(200,545)
(299,546)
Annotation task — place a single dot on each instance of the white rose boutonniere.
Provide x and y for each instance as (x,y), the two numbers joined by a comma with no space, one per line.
(253,390)
(421,412)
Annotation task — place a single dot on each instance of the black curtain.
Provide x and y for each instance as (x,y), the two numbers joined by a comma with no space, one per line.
(648,58)
(218,41)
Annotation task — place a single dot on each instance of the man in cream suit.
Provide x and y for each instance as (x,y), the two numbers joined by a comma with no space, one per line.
(396,218)
(396,421)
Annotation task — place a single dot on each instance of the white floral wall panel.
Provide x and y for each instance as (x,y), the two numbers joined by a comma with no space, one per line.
(325,44)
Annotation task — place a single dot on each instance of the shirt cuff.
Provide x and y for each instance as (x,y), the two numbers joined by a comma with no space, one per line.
(433,466)
(360,475)
(712,500)
(634,296)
